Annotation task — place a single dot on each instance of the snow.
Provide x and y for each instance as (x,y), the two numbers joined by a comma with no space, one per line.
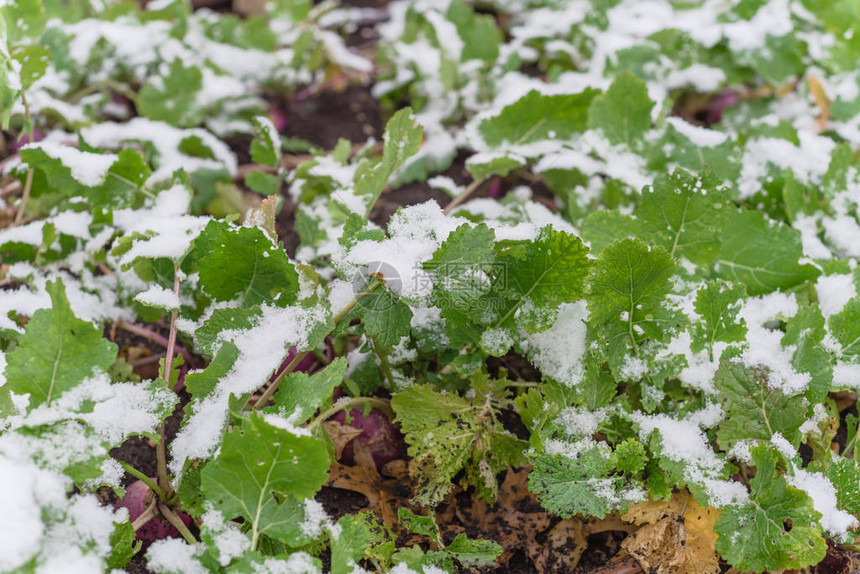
(684,441)
(834,291)
(261,350)
(415,233)
(20,503)
(808,161)
(176,556)
(764,346)
(169,231)
(315,520)
(228,540)
(166,140)
(158,296)
(700,368)
(835,522)
(28,234)
(558,351)
(701,137)
(296,563)
(87,168)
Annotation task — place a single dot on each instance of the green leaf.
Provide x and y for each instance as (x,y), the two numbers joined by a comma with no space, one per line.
(718,304)
(243,263)
(173,98)
(33,61)
(623,113)
(266,147)
(402,137)
(10,81)
(845,326)
(625,295)
(604,226)
(761,253)
(584,485)
(545,273)
(300,394)
(447,434)
(474,552)
(362,536)
(56,352)
(417,524)
(845,476)
(261,182)
(777,529)
(754,410)
(207,336)
(480,36)
(257,461)
(201,383)
(384,316)
(27,19)
(536,117)
(685,214)
(124,545)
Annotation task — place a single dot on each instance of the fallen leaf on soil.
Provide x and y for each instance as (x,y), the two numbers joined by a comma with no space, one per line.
(676,537)
(340,435)
(381,493)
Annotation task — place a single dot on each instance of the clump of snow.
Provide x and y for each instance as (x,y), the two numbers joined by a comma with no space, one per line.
(261,350)
(701,137)
(316,519)
(87,168)
(834,291)
(764,346)
(558,351)
(176,556)
(158,296)
(226,537)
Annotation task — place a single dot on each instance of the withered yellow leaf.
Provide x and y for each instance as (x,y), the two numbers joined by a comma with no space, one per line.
(676,536)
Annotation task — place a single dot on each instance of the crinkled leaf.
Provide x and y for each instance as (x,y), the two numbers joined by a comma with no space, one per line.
(777,529)
(300,395)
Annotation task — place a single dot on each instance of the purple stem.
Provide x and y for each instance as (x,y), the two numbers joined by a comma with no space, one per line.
(154,337)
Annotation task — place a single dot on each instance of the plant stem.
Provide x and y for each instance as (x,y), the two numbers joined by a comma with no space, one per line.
(343,405)
(464,195)
(154,337)
(267,394)
(174,519)
(111,84)
(142,477)
(145,516)
(383,363)
(161,447)
(25,197)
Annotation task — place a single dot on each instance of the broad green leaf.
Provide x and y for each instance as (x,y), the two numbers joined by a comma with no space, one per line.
(173,98)
(685,214)
(541,275)
(584,485)
(34,61)
(845,476)
(56,352)
(25,18)
(257,461)
(625,295)
(417,523)
(201,383)
(602,227)
(762,254)
(718,304)
(778,528)
(754,410)
(536,117)
(243,263)
(300,395)
(623,113)
(207,336)
(10,81)
(385,317)
(463,267)
(845,327)
(480,36)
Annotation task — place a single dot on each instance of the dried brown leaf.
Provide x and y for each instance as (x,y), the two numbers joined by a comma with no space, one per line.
(676,536)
